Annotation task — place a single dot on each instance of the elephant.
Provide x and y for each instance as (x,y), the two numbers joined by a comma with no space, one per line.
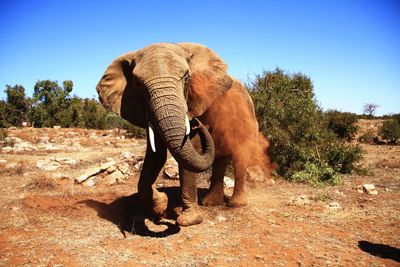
(182,94)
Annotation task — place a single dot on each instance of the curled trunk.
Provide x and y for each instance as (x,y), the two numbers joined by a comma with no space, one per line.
(167,113)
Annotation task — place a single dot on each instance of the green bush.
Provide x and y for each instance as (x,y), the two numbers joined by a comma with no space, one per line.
(390,131)
(302,145)
(342,123)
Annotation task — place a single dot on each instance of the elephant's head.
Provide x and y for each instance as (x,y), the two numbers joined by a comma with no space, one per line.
(160,86)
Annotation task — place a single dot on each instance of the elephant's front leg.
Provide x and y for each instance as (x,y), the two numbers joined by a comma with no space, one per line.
(153,162)
(190,212)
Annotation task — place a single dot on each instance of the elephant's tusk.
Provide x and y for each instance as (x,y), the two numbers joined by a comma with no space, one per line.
(187,123)
(151,138)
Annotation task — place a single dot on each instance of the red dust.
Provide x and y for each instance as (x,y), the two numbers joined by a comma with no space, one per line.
(234,128)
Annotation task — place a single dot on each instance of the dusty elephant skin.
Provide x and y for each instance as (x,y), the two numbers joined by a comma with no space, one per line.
(162,87)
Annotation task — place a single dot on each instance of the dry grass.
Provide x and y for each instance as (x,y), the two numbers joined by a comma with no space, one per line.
(42,183)
(15,169)
(388,163)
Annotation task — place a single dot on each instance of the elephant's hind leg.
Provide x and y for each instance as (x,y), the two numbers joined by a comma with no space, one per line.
(215,195)
(153,162)
(238,198)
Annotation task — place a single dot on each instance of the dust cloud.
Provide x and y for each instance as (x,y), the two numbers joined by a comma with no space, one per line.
(234,128)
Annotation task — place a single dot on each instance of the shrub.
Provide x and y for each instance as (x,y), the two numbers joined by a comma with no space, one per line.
(342,123)
(302,145)
(390,131)
(368,137)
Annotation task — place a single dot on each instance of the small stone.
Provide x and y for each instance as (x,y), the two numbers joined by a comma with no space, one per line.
(111,169)
(229,182)
(370,189)
(57,127)
(11,166)
(124,168)
(91,182)
(171,172)
(138,166)
(3,161)
(333,206)
(367,188)
(340,193)
(15,208)
(114,178)
(220,218)
(259,257)
(299,201)
(127,156)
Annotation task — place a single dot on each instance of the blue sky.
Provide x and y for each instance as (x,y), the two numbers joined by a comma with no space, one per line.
(350,49)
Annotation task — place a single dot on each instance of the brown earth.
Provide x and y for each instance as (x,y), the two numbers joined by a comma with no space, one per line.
(48,220)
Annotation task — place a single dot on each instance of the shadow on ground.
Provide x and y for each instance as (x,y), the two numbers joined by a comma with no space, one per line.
(129,214)
(380,250)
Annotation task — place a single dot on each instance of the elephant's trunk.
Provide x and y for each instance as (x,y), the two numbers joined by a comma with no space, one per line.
(167,112)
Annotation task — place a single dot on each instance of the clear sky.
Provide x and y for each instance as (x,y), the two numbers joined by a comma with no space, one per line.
(349,48)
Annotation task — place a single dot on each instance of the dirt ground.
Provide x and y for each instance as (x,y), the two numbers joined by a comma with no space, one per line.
(48,220)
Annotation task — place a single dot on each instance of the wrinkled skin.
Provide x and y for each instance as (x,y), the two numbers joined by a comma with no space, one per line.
(158,86)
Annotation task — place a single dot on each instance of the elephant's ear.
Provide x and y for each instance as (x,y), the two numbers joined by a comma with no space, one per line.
(209,78)
(118,91)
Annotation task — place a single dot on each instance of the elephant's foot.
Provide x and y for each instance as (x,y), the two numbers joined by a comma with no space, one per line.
(213,199)
(237,200)
(160,202)
(190,216)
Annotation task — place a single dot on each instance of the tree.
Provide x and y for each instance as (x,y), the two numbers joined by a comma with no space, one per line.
(370,109)
(390,131)
(342,123)
(16,106)
(301,144)
(51,103)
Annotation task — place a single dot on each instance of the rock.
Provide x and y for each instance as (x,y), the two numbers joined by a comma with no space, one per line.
(65,161)
(367,188)
(124,168)
(114,178)
(127,156)
(92,181)
(340,193)
(11,166)
(47,165)
(57,127)
(171,169)
(3,161)
(111,169)
(138,166)
(220,218)
(299,201)
(333,206)
(54,163)
(88,173)
(107,164)
(228,182)
(171,172)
